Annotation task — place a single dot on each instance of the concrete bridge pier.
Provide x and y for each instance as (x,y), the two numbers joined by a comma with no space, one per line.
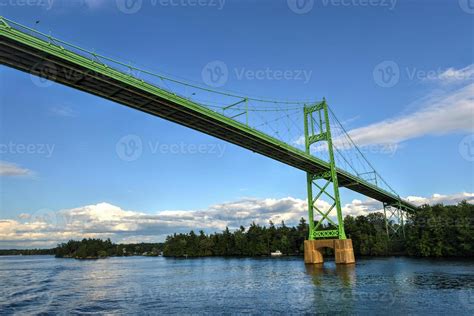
(344,253)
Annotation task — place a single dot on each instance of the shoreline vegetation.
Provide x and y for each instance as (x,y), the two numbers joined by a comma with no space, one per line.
(433,231)
(98,249)
(92,249)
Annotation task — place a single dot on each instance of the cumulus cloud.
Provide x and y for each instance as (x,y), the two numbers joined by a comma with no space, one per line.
(8,169)
(358,207)
(46,228)
(442,199)
(105,220)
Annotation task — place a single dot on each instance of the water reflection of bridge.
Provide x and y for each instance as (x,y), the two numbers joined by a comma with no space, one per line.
(320,273)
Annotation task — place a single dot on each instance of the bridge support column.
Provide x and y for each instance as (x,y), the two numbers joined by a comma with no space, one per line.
(317,129)
(344,253)
(394,220)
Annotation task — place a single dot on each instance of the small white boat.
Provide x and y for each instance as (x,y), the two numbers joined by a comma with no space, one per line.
(276,253)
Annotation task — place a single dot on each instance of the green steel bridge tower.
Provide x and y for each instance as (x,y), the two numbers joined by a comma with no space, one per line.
(317,130)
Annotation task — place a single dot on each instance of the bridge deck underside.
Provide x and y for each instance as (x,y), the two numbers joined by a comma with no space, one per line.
(26,58)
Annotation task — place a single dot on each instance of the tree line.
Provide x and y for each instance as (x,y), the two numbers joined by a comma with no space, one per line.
(26,252)
(432,231)
(97,248)
(255,241)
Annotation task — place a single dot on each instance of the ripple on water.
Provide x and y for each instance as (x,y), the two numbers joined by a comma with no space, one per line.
(216,285)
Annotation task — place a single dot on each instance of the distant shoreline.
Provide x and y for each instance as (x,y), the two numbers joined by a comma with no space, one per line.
(450,226)
(327,259)
(90,249)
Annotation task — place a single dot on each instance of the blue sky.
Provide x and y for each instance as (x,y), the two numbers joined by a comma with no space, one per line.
(425,110)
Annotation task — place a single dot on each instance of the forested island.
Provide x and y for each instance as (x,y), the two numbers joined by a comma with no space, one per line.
(92,249)
(432,231)
(26,252)
(97,248)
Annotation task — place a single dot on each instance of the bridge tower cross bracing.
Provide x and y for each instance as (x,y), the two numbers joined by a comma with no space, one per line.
(395,217)
(318,132)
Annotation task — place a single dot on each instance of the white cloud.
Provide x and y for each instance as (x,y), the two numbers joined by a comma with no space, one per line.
(446,110)
(47,228)
(358,207)
(104,220)
(452,75)
(8,169)
(442,199)
(441,114)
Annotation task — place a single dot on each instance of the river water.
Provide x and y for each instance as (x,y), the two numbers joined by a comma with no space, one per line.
(147,285)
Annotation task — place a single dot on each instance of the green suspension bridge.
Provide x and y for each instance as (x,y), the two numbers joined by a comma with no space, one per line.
(304,135)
